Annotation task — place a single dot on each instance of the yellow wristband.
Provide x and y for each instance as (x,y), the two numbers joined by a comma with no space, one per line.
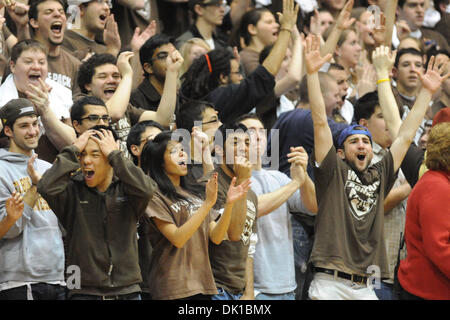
(383,80)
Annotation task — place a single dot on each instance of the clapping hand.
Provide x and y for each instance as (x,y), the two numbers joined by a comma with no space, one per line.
(237,192)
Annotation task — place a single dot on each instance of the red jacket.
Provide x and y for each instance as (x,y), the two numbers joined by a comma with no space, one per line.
(426,270)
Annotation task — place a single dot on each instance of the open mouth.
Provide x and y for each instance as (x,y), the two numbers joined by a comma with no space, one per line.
(182,164)
(56,27)
(89,174)
(109,92)
(361,157)
(103,17)
(34,77)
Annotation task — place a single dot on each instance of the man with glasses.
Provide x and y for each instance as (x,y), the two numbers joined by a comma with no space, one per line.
(153,55)
(208,14)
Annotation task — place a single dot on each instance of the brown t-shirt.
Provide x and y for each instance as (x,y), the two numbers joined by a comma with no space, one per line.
(228,259)
(349,230)
(64,70)
(249,60)
(179,272)
(80,46)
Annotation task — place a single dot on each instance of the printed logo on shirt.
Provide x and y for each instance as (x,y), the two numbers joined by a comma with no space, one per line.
(22,186)
(61,79)
(249,221)
(361,197)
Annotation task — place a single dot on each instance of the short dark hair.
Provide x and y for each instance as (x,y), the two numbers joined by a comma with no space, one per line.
(434,52)
(365,106)
(135,135)
(77,111)
(87,69)
(33,11)
(246,116)
(225,130)
(25,45)
(406,51)
(303,89)
(149,47)
(98,127)
(190,112)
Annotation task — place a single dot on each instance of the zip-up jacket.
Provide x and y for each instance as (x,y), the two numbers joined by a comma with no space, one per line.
(101,226)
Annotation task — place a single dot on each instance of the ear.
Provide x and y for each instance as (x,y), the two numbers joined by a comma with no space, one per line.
(341,154)
(148,68)
(8,132)
(251,28)
(363,122)
(76,126)
(198,9)
(219,151)
(34,23)
(224,79)
(135,150)
(394,72)
(82,10)
(12,66)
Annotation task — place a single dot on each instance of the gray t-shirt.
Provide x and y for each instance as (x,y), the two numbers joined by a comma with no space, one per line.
(273,262)
(349,224)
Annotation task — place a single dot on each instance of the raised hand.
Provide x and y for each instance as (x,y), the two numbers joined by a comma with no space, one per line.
(111,35)
(123,63)
(383,60)
(105,141)
(298,158)
(432,79)
(34,175)
(403,29)
(18,12)
(174,61)
(379,32)
(139,38)
(10,4)
(288,18)
(313,60)
(314,26)
(344,20)
(201,140)
(211,190)
(83,139)
(38,95)
(14,206)
(237,192)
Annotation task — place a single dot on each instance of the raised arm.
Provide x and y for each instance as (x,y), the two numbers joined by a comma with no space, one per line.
(288,20)
(323,139)
(59,133)
(268,202)
(431,82)
(217,231)
(178,236)
(295,72)
(383,61)
(166,108)
(118,103)
(391,9)
(344,21)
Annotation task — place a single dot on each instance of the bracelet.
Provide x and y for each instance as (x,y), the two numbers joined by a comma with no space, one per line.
(383,80)
(281,29)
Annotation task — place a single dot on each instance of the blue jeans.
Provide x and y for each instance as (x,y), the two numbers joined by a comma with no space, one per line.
(279,296)
(225,295)
(385,291)
(302,249)
(39,291)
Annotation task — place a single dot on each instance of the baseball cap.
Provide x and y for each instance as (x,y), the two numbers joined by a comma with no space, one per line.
(192,3)
(353,129)
(14,109)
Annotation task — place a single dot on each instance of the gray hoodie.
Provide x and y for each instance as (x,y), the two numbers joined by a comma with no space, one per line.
(32,250)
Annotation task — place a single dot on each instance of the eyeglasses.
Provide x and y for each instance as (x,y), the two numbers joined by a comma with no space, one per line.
(96,118)
(161,55)
(211,121)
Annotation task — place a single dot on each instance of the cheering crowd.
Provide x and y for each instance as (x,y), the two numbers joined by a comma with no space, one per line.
(224,150)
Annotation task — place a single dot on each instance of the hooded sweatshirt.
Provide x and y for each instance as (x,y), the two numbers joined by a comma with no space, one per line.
(32,250)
